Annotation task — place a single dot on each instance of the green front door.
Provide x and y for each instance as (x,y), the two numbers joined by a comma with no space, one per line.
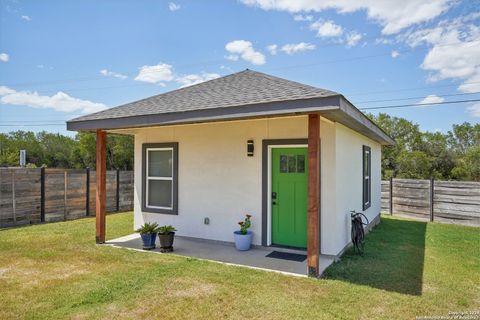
(289,196)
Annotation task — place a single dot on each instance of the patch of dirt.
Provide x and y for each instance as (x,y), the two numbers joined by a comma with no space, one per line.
(3,271)
(31,273)
(177,288)
(429,288)
(190,288)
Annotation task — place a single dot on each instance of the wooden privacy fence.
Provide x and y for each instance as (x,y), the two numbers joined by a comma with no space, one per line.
(445,201)
(29,196)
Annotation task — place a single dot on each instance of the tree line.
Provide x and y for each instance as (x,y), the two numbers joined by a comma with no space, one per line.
(454,155)
(53,150)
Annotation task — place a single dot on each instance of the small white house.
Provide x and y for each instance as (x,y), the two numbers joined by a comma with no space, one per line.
(295,157)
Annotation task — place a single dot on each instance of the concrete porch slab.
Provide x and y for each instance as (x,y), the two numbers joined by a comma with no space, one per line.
(225,252)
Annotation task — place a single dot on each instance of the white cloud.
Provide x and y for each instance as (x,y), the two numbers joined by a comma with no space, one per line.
(26,18)
(4,57)
(58,102)
(301,17)
(192,79)
(108,73)
(156,73)
(161,73)
(244,50)
(353,38)
(326,29)
(293,48)
(431,99)
(392,15)
(472,84)
(5,90)
(272,49)
(474,110)
(395,54)
(173,6)
(454,51)
(232,57)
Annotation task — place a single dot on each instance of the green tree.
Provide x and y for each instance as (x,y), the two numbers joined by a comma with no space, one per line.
(7,156)
(120,150)
(435,146)
(407,136)
(468,167)
(414,165)
(463,136)
(57,149)
(26,140)
(84,152)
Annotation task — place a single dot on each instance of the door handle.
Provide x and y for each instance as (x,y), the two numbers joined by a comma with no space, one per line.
(274,203)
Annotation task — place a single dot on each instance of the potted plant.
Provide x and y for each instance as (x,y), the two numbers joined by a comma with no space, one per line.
(243,237)
(166,235)
(148,232)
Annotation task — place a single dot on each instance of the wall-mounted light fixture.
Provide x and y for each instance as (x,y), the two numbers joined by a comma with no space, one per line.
(250,148)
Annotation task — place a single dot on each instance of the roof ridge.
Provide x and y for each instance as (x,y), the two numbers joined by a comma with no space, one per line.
(239,88)
(278,79)
(163,93)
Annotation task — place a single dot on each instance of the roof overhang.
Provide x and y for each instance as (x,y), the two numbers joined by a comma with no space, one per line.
(335,108)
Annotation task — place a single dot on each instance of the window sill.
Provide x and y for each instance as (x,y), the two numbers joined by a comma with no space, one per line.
(163,211)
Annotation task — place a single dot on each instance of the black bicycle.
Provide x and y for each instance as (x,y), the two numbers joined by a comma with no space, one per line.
(358,233)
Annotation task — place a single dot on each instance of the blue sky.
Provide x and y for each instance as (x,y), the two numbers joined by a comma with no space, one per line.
(61,59)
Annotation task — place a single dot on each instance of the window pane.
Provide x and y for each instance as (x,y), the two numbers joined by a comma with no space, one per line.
(292,164)
(366,161)
(366,191)
(160,163)
(283,164)
(301,163)
(160,193)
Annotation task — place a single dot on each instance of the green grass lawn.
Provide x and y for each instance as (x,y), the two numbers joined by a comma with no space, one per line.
(409,269)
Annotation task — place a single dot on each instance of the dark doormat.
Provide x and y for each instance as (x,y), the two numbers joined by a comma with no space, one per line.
(287,256)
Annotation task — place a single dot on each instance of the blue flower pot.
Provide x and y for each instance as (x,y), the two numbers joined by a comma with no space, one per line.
(149,240)
(243,242)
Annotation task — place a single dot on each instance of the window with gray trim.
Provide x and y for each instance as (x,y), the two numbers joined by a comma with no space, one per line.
(160,177)
(367,181)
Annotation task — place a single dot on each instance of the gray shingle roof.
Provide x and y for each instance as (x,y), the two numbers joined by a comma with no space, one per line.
(242,88)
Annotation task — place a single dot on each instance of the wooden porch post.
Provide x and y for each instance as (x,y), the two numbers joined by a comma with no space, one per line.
(101,170)
(313,213)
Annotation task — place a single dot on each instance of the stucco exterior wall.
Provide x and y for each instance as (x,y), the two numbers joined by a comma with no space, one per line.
(349,190)
(217,180)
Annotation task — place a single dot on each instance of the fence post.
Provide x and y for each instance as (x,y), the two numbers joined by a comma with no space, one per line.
(432,193)
(65,195)
(118,191)
(14,205)
(391,195)
(42,194)
(87,195)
